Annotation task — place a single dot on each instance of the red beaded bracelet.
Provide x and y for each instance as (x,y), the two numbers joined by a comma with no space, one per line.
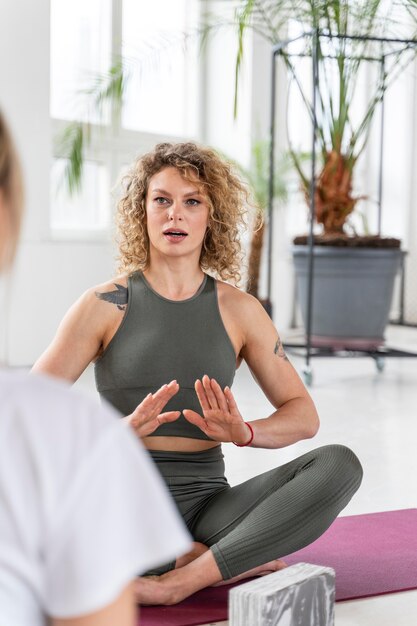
(243,445)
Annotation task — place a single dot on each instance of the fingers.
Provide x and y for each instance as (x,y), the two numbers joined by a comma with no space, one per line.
(220,397)
(147,427)
(155,402)
(164,394)
(218,406)
(169,416)
(231,401)
(201,395)
(143,409)
(196,419)
(144,418)
(210,394)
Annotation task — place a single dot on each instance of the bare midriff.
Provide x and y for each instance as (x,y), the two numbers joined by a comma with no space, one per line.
(178,444)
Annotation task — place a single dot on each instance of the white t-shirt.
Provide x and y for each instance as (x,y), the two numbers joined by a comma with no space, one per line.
(82,508)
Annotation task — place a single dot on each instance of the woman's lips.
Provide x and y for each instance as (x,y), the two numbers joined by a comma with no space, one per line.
(175,236)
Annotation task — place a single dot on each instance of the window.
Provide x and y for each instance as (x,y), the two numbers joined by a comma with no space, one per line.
(158,42)
(80,48)
(162,92)
(90,205)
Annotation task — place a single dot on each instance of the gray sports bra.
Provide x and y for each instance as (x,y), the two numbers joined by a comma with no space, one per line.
(160,340)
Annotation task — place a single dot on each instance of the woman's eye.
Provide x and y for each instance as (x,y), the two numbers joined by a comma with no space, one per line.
(193,202)
(160,200)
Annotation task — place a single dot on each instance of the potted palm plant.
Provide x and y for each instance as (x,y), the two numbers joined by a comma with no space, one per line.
(344,36)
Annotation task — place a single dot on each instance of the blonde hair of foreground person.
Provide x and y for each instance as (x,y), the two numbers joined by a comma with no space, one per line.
(122,610)
(11,197)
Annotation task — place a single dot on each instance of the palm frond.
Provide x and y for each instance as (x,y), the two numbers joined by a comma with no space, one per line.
(257,174)
(337,18)
(71,144)
(107,89)
(242,18)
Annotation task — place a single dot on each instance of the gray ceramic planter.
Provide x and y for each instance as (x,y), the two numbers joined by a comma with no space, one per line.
(352,293)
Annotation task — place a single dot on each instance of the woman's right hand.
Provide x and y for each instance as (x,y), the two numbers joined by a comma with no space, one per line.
(147,416)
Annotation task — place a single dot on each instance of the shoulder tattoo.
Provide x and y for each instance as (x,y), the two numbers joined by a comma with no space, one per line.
(279,350)
(117,297)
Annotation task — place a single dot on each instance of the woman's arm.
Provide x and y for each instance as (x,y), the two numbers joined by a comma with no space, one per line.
(121,612)
(295,417)
(80,336)
(257,341)
(88,327)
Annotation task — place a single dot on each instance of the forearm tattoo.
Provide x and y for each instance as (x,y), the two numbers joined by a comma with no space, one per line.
(118,297)
(279,350)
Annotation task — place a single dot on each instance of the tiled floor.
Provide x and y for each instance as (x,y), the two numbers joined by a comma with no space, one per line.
(376,415)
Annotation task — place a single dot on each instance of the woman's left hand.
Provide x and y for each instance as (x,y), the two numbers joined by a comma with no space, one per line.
(221,419)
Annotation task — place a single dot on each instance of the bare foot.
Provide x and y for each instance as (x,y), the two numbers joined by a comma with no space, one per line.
(262,570)
(178,584)
(197,550)
(151,590)
(174,586)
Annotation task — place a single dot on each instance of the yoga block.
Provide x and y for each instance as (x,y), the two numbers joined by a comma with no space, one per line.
(300,595)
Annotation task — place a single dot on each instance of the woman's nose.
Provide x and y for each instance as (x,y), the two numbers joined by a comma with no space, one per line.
(175,211)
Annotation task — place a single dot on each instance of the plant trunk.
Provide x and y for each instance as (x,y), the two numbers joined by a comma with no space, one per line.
(333,197)
(255,255)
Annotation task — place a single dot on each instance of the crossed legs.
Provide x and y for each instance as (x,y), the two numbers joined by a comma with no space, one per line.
(249,526)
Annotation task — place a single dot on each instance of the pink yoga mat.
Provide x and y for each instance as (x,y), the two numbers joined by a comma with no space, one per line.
(372,554)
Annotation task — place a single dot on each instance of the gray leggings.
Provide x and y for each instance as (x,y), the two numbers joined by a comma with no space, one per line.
(266,517)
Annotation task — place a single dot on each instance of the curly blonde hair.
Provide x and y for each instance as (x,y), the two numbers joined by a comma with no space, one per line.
(228,199)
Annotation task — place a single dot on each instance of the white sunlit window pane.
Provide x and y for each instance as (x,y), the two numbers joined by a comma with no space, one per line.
(85,211)
(160,48)
(80,49)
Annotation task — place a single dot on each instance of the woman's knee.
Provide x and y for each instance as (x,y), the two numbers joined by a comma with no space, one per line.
(341,462)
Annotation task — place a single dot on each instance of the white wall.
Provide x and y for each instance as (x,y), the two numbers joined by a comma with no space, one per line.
(48,276)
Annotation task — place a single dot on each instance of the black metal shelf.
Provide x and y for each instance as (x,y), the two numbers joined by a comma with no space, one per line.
(378,354)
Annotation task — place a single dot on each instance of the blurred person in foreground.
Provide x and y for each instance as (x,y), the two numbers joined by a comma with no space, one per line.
(82,509)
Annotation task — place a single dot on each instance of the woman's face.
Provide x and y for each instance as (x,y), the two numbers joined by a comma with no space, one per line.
(177,214)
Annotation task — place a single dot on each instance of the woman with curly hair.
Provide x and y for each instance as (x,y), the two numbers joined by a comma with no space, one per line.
(171,330)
